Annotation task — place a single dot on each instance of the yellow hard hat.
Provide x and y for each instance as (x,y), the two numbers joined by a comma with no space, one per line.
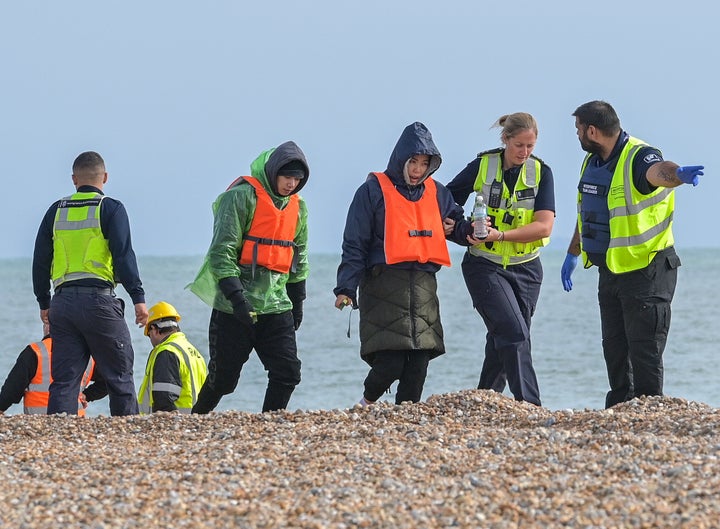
(160,311)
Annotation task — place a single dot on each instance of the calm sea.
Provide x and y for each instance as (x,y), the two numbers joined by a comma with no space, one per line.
(566,334)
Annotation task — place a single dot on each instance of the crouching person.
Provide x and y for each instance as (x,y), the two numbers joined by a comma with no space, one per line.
(175,369)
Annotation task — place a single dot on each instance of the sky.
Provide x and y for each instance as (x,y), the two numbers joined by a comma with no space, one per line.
(179,97)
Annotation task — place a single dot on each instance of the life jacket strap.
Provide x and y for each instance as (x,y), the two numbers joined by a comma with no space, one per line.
(272,242)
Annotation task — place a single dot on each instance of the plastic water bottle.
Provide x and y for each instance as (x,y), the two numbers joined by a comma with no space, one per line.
(479,217)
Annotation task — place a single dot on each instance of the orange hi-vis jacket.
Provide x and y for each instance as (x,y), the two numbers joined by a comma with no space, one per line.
(270,241)
(37,394)
(413,230)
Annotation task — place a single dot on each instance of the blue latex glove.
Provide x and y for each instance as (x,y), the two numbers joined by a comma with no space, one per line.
(566,271)
(690,174)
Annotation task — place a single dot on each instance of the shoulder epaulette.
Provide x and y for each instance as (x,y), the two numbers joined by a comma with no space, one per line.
(490,151)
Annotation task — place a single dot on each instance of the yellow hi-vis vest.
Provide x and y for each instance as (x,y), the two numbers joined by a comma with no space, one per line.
(37,394)
(518,208)
(193,372)
(640,225)
(80,249)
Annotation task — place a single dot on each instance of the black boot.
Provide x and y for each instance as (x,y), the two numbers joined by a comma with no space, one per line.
(277,396)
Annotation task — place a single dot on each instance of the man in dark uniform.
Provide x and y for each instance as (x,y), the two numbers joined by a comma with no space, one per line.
(84,246)
(626,206)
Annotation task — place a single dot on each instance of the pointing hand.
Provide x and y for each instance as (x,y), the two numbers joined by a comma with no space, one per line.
(690,174)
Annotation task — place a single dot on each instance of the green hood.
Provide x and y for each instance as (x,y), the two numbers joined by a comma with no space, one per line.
(266,166)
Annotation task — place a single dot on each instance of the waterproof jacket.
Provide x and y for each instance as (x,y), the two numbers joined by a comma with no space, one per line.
(363,239)
(233,215)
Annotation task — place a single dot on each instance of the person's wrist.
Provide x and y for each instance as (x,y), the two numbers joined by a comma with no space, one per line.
(501,237)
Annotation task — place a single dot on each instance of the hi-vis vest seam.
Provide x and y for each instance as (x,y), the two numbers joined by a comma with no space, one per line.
(509,253)
(413,230)
(636,248)
(270,240)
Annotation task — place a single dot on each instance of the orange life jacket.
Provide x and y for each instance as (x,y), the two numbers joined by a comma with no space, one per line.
(270,240)
(413,230)
(37,394)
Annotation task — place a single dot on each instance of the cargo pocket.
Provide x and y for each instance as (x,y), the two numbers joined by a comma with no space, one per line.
(673,261)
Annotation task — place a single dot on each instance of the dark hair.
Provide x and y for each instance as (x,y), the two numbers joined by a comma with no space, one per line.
(599,114)
(89,161)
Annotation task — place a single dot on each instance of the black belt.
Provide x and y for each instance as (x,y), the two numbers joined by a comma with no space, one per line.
(101,291)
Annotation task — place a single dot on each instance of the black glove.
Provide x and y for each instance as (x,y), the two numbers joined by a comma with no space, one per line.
(296,293)
(242,309)
(232,289)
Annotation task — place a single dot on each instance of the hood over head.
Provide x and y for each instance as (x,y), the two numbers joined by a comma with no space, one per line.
(286,156)
(415,139)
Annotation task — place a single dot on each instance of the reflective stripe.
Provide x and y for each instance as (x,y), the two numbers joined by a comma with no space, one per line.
(493,167)
(144,403)
(499,259)
(44,385)
(634,209)
(656,230)
(186,357)
(167,386)
(72,277)
(85,382)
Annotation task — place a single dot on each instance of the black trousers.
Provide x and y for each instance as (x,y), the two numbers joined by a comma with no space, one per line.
(409,367)
(230,344)
(506,299)
(635,320)
(85,321)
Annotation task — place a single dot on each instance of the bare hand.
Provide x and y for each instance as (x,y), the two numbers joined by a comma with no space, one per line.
(493,235)
(448,225)
(83,400)
(141,314)
(341,301)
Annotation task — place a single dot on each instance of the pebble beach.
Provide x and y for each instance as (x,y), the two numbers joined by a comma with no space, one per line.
(468,459)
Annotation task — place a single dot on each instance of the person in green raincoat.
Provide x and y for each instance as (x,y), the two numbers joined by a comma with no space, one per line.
(254,276)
